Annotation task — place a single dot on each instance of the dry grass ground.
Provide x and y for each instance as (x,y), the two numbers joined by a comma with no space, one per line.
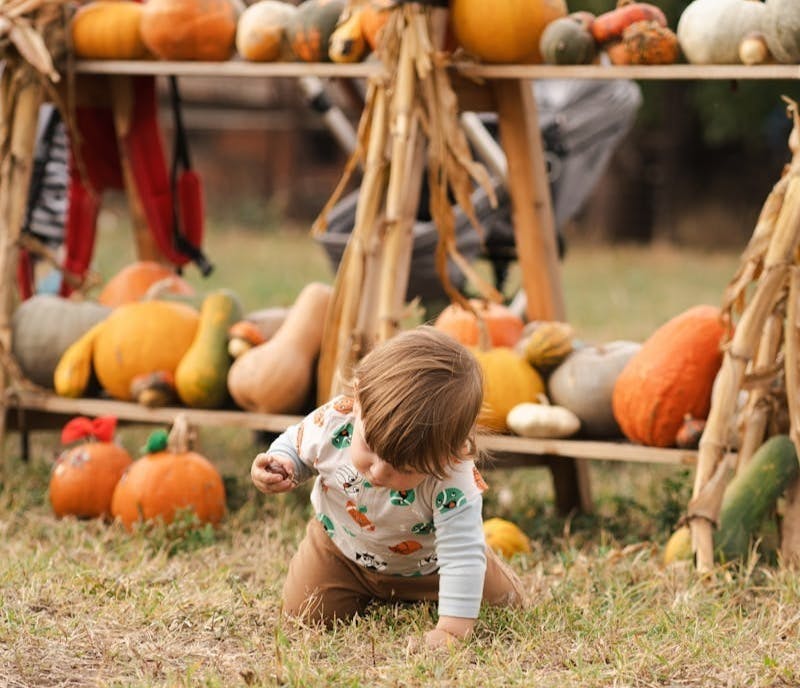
(86,604)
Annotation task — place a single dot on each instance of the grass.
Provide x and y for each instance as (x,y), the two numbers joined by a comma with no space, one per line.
(87,604)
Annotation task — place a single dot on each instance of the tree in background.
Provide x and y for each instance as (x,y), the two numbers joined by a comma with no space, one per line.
(699,162)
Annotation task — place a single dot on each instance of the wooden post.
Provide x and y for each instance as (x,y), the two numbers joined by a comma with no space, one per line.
(531,208)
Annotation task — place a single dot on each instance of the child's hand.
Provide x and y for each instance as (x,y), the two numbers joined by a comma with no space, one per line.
(272,474)
(437,638)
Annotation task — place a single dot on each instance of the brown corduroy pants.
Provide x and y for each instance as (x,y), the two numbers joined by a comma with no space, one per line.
(323,585)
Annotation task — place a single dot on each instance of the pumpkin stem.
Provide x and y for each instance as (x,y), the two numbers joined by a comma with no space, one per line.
(182,436)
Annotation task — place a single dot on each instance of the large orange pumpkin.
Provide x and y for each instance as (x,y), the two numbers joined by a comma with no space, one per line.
(134,280)
(85,475)
(504,326)
(503,31)
(141,338)
(171,477)
(189,29)
(670,376)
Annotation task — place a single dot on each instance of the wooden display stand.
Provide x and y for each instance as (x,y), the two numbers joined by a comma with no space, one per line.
(505,89)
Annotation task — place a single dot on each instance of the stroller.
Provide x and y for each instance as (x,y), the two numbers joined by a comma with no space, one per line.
(581,122)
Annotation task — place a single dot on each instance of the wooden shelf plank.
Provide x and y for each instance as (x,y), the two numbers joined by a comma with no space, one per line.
(241,68)
(502,444)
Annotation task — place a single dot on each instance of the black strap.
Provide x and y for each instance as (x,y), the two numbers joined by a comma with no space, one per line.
(181,161)
(42,157)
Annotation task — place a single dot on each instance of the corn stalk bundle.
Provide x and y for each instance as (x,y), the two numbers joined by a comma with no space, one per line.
(410,115)
(760,360)
(32,40)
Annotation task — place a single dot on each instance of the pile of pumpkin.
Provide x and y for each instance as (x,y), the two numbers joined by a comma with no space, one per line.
(542,382)
(217,30)
(149,338)
(95,477)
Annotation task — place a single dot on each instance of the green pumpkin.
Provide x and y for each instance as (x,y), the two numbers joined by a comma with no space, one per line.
(567,41)
(310,28)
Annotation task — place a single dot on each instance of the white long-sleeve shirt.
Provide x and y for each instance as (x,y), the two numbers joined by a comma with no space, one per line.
(434,528)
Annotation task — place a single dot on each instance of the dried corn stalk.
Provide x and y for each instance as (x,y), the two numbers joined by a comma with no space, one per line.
(31,34)
(761,356)
(411,103)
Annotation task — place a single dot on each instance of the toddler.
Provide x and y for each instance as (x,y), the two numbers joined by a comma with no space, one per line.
(397,495)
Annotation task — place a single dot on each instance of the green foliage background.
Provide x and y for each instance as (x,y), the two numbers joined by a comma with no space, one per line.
(745,112)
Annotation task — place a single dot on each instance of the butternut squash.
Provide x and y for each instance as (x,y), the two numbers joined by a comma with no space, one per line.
(277,376)
(202,374)
(74,370)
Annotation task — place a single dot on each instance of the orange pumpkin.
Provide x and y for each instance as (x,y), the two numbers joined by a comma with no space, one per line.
(85,475)
(108,30)
(670,376)
(504,326)
(133,282)
(189,29)
(508,31)
(645,42)
(169,478)
(508,380)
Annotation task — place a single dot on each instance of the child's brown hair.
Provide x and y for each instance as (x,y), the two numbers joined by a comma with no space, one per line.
(420,394)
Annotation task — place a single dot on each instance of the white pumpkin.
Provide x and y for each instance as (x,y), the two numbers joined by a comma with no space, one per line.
(542,421)
(261,31)
(782,29)
(710,31)
(584,384)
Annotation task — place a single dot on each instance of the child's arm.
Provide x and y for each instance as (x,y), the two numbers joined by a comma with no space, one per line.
(461,551)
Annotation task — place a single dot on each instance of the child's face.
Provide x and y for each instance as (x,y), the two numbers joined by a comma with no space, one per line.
(374,468)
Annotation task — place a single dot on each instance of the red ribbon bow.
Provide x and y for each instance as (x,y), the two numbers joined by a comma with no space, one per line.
(80,428)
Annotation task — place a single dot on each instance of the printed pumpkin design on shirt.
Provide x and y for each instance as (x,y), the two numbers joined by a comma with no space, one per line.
(423,528)
(343,405)
(450,498)
(319,416)
(358,515)
(402,497)
(406,547)
(300,439)
(343,436)
(480,483)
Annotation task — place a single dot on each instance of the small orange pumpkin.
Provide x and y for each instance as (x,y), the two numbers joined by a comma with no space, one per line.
(645,43)
(670,376)
(504,326)
(108,30)
(170,477)
(189,29)
(134,280)
(85,475)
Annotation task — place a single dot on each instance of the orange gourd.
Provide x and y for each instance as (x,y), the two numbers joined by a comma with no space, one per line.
(504,326)
(189,29)
(505,32)
(85,475)
(134,280)
(169,478)
(645,43)
(670,376)
(373,17)
(108,30)
(610,26)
